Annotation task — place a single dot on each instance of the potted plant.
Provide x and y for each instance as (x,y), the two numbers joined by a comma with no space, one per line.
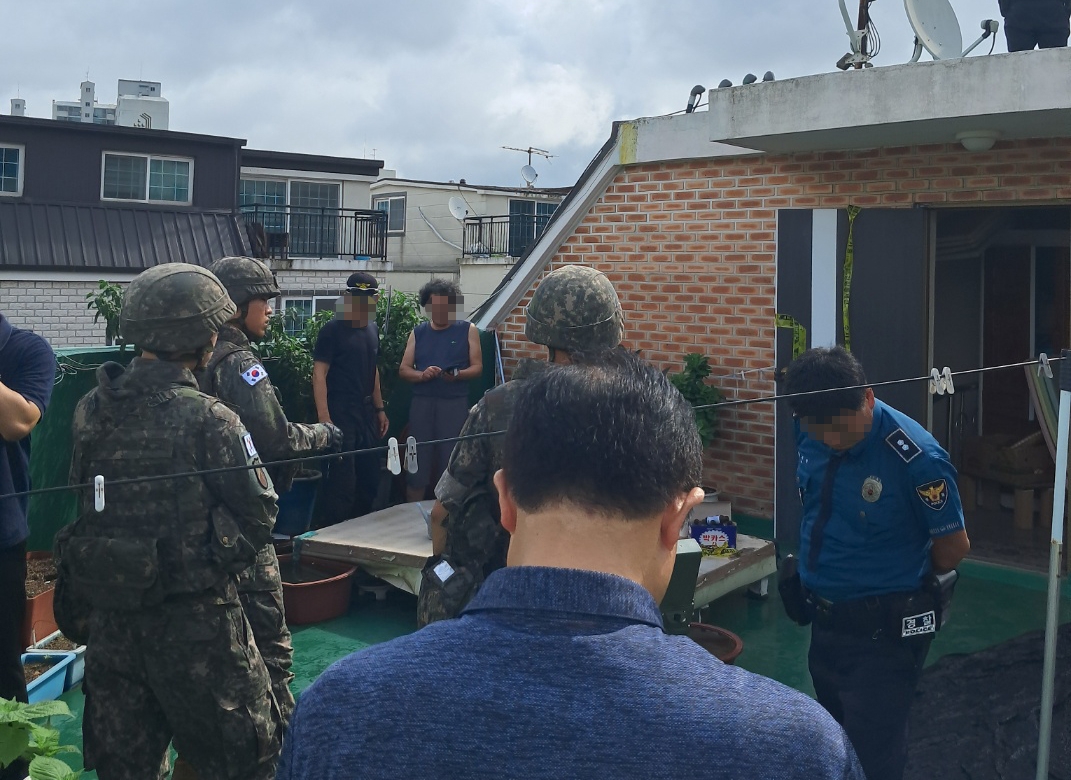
(692,384)
(39,621)
(45,674)
(23,735)
(107,299)
(56,642)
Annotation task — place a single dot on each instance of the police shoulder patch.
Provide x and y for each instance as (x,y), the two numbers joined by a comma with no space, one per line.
(934,494)
(254,374)
(903,446)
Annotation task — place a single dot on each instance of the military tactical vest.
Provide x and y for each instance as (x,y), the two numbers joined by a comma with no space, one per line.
(159,538)
(208,378)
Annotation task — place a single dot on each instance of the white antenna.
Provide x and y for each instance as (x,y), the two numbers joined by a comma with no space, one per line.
(937,29)
(458,208)
(529,174)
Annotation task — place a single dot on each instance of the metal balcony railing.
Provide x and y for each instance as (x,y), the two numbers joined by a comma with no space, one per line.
(297,231)
(502,236)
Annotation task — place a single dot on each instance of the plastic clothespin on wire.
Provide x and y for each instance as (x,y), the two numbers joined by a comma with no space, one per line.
(410,455)
(394,461)
(940,382)
(1043,366)
(98,492)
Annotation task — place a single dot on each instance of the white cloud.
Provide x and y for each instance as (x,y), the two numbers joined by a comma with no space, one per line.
(436,87)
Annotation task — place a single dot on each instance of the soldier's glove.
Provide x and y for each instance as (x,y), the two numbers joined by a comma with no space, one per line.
(334,437)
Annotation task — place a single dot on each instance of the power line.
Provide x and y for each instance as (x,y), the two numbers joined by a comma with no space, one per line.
(488,434)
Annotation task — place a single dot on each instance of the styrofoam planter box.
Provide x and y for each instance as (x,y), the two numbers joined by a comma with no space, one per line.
(50,684)
(77,669)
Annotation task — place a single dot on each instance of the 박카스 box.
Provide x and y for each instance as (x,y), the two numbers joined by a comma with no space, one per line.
(715,534)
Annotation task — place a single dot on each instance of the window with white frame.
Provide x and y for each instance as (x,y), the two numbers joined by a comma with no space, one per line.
(394,205)
(146,178)
(11,164)
(298,309)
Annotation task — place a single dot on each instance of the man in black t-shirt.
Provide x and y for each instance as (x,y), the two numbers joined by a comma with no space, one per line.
(345,385)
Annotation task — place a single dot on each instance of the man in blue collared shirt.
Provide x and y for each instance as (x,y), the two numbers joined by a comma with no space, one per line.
(881,512)
(27,372)
(559,668)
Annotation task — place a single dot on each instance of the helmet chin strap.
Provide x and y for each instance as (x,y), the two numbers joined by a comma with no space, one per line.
(243,315)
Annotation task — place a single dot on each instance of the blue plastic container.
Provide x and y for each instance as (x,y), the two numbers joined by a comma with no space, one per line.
(50,684)
(296,506)
(76,670)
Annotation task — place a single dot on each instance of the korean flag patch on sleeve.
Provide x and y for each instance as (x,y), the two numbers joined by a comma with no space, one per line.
(254,374)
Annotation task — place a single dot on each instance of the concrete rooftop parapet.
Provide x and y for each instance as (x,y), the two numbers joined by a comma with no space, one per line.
(1020,95)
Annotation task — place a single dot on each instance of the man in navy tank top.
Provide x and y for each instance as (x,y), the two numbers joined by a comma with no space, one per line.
(442,355)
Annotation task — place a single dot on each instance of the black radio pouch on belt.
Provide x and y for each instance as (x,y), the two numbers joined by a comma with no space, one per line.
(797,606)
(942,587)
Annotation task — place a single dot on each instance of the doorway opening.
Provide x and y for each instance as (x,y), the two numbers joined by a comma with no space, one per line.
(1001,294)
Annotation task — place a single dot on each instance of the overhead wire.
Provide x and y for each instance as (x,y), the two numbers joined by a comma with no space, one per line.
(489,434)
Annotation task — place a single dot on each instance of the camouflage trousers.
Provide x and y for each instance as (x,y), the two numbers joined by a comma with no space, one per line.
(260,588)
(187,672)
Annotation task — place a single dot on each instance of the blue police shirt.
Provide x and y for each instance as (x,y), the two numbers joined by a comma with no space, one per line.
(27,366)
(891,494)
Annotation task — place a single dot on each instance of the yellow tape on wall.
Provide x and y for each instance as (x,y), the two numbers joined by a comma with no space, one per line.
(799,333)
(849,266)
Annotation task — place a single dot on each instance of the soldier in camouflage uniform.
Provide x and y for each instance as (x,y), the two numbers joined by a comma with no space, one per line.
(235,376)
(575,309)
(171,656)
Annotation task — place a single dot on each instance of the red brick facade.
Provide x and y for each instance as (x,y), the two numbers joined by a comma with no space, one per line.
(691,247)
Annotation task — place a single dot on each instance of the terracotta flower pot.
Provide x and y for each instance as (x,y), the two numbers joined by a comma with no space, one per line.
(39,621)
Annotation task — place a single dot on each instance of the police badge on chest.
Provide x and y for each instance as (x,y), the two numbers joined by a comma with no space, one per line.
(871,489)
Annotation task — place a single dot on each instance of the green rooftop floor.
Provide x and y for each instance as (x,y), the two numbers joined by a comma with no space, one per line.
(992,604)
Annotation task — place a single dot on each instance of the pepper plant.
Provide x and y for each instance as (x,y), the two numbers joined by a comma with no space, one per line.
(107,300)
(692,384)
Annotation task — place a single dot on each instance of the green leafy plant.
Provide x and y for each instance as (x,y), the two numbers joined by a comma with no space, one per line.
(404,315)
(21,736)
(107,300)
(692,384)
(288,358)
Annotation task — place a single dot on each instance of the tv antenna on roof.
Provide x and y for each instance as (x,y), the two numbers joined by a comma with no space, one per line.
(528,173)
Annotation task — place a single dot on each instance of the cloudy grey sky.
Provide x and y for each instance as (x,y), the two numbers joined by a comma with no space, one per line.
(432,87)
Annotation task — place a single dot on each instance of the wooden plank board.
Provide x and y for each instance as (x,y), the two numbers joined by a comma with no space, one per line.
(396,535)
(396,538)
(752,550)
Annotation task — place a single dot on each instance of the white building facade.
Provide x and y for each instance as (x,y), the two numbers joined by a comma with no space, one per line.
(138,104)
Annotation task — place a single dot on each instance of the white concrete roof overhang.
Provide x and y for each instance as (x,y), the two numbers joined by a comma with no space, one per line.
(1020,95)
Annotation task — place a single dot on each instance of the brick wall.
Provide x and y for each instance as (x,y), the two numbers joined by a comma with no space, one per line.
(55,310)
(691,248)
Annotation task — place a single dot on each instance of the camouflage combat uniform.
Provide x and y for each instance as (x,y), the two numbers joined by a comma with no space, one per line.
(575,308)
(476,542)
(235,376)
(171,657)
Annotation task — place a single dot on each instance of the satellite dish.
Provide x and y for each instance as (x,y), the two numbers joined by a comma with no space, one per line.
(936,27)
(457,207)
(528,173)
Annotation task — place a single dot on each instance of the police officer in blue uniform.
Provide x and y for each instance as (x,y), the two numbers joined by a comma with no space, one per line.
(882,533)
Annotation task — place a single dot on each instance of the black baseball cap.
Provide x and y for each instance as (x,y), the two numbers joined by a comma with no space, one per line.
(361,283)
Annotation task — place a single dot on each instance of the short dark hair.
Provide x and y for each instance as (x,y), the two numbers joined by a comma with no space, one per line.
(440,287)
(610,434)
(824,368)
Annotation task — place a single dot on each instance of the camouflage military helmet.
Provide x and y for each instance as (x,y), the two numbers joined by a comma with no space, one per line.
(245,279)
(575,308)
(174,308)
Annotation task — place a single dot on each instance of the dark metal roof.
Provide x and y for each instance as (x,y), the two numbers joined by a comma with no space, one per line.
(43,236)
(259,158)
(116,130)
